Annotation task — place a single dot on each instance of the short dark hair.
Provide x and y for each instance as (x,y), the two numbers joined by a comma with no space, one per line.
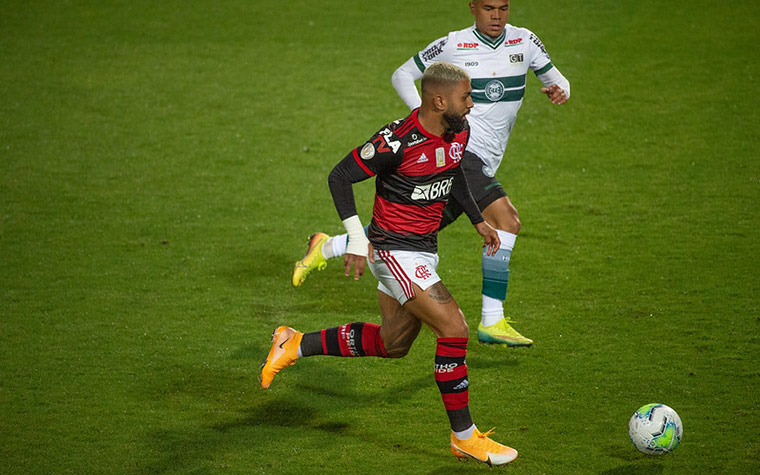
(443,73)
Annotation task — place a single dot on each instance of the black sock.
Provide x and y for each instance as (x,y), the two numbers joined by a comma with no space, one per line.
(311,344)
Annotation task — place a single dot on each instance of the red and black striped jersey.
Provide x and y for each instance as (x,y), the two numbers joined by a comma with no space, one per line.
(416,172)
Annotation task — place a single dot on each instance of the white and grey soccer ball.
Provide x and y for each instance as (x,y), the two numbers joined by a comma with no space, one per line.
(655,429)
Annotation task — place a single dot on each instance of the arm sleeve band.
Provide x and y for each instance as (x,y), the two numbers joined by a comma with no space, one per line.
(553,76)
(403,81)
(460,191)
(341,178)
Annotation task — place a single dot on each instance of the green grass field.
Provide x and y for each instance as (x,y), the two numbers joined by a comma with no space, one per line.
(162,163)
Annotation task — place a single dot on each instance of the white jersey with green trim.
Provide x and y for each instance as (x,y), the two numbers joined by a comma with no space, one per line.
(498,68)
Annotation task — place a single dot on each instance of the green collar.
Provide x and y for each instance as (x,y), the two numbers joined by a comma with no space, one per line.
(492,43)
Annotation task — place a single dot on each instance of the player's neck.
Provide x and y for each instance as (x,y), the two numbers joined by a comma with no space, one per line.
(430,121)
(488,35)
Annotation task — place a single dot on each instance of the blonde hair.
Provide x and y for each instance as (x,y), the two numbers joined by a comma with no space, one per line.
(443,74)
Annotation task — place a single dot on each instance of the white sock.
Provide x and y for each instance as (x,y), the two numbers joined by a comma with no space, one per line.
(465,434)
(492,311)
(327,249)
(507,239)
(335,246)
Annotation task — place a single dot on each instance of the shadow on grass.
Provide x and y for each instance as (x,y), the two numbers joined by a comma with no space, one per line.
(281,413)
(636,463)
(322,403)
(480,360)
(463,466)
(644,468)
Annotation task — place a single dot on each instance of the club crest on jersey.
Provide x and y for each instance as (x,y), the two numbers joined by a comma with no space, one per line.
(494,90)
(368,151)
(440,157)
(422,272)
(455,152)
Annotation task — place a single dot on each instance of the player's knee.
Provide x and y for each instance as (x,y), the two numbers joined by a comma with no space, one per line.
(457,328)
(463,331)
(512,224)
(398,351)
(398,347)
(503,215)
(509,223)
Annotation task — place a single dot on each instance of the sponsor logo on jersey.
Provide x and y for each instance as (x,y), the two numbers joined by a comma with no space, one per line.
(423,158)
(467,46)
(514,42)
(368,151)
(416,140)
(494,90)
(538,43)
(384,140)
(516,58)
(422,272)
(434,50)
(470,64)
(433,191)
(455,152)
(388,135)
(440,157)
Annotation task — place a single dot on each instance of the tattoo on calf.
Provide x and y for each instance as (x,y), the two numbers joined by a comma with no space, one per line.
(440,293)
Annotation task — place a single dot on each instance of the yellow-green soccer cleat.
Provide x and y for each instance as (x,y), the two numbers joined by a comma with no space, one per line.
(312,260)
(502,333)
(482,448)
(284,353)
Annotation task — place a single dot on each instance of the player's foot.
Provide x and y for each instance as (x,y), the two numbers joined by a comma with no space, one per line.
(481,447)
(312,260)
(502,333)
(284,352)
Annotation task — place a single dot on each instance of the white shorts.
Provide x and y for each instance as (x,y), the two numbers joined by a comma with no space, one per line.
(397,270)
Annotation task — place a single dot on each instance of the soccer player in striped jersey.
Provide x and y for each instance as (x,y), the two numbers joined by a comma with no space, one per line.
(416,164)
(498,57)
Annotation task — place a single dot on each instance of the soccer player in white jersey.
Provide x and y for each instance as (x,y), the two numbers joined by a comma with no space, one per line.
(497,56)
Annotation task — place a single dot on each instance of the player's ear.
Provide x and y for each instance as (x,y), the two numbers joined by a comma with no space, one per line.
(439,101)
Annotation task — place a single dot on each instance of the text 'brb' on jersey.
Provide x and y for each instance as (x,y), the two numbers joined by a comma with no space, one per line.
(415,171)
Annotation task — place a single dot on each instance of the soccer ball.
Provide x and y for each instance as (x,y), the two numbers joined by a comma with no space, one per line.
(655,429)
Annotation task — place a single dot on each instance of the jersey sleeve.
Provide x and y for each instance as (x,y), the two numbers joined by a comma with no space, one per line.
(542,66)
(460,192)
(403,82)
(439,50)
(540,62)
(378,155)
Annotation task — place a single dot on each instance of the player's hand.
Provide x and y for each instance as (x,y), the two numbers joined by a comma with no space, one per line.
(357,262)
(555,94)
(490,237)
